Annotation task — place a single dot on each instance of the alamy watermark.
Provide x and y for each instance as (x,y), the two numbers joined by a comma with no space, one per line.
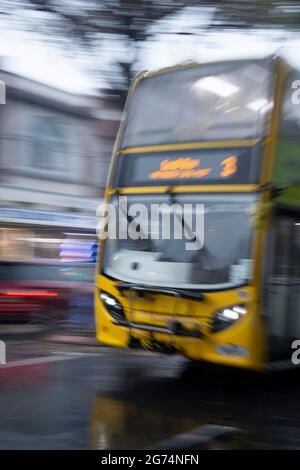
(296,354)
(2,92)
(296,93)
(123,221)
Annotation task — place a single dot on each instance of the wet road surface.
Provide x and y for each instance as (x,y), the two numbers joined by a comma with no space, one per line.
(70,397)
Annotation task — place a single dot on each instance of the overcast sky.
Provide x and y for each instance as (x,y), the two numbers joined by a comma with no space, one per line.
(27,54)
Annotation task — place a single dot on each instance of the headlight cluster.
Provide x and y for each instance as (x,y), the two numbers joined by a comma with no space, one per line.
(227,317)
(113,306)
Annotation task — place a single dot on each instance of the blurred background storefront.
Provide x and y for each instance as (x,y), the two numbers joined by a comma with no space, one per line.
(55,149)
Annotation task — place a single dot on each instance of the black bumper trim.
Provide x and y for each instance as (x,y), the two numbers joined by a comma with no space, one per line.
(175,330)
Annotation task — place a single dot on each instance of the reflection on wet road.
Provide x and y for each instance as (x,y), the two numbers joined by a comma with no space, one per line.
(110,399)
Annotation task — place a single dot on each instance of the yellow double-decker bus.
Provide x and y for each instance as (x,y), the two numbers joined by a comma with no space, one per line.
(224,136)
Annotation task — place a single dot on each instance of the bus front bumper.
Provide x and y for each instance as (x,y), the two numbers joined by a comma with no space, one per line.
(186,333)
(174,328)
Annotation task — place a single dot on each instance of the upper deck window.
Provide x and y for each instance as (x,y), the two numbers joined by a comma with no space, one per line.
(229,100)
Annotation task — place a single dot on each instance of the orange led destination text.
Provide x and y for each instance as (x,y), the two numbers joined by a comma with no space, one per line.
(189,168)
(180,168)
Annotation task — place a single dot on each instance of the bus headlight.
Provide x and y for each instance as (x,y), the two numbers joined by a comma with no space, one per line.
(227,317)
(113,306)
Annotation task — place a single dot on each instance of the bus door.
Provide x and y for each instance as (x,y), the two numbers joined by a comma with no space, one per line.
(281,296)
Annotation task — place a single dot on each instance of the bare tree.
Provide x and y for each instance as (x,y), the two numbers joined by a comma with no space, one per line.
(90,22)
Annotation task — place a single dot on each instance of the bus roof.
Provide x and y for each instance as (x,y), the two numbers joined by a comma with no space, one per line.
(191,64)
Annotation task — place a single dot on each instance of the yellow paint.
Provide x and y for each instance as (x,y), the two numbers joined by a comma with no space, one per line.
(250,331)
(280,73)
(172,68)
(262,215)
(159,309)
(207,188)
(215,144)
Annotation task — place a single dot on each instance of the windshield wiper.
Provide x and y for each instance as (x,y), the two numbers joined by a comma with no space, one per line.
(138,227)
(201,249)
(180,217)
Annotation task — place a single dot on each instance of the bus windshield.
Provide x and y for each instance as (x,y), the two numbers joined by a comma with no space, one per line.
(198,103)
(222,261)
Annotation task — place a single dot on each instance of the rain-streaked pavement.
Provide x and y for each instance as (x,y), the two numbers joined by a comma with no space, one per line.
(69,397)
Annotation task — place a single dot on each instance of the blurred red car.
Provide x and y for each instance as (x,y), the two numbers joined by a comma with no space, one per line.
(39,291)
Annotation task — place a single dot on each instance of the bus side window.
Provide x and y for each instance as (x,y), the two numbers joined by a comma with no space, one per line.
(287,161)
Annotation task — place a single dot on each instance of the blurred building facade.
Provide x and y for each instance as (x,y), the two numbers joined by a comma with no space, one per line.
(55,149)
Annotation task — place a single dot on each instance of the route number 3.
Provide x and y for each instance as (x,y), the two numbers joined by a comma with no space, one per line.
(229,166)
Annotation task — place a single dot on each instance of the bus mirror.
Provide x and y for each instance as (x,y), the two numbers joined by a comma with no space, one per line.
(278,190)
(262,215)
(288,195)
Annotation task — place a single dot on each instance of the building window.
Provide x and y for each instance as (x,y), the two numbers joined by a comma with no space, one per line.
(48,146)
